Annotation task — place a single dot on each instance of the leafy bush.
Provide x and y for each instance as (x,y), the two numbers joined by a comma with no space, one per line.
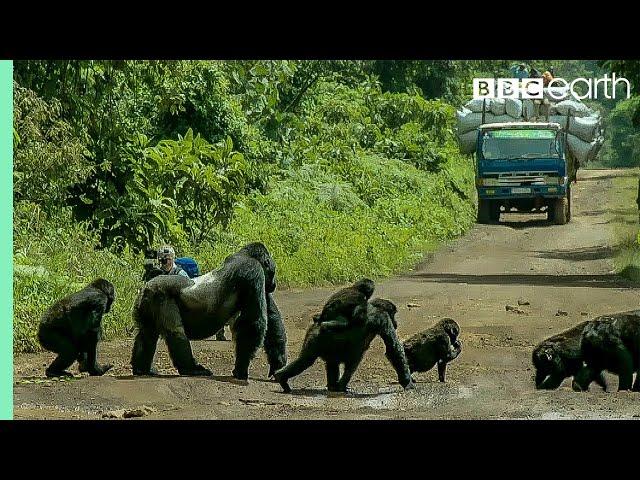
(48,158)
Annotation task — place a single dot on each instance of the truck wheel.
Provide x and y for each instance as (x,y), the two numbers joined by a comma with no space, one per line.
(569,201)
(560,211)
(484,211)
(494,212)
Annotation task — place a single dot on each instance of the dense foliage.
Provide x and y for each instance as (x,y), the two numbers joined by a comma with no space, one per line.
(342,168)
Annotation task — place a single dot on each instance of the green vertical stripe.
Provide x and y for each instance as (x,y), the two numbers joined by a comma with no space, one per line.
(6,239)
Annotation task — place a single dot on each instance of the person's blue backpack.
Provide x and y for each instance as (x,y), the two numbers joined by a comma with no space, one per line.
(189,265)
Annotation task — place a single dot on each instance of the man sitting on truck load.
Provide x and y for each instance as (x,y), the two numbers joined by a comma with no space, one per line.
(520,71)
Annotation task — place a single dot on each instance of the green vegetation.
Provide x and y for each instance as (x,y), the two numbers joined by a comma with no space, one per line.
(625,225)
(342,169)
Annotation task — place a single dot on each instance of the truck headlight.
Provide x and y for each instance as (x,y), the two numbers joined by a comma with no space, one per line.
(553,180)
(489,182)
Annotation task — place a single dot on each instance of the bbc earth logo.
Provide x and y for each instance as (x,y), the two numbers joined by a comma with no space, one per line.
(558,88)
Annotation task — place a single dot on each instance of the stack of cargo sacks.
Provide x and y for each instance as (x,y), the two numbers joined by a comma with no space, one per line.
(584,125)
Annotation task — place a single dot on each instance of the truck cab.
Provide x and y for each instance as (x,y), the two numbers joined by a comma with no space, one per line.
(524,166)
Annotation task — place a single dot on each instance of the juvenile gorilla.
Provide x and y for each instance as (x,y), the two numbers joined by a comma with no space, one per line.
(612,342)
(347,346)
(559,357)
(339,310)
(71,328)
(438,344)
(181,309)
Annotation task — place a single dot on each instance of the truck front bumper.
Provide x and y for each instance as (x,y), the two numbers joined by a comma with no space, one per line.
(531,191)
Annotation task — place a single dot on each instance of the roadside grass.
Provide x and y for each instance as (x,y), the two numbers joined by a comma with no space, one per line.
(323,225)
(624,219)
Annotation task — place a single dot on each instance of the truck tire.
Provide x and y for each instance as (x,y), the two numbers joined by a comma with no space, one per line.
(560,211)
(569,201)
(484,211)
(494,212)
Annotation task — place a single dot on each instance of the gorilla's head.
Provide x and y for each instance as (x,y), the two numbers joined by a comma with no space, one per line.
(258,251)
(388,307)
(107,288)
(451,327)
(365,286)
(545,360)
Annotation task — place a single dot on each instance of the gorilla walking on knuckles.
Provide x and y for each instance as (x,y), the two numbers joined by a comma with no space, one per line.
(438,344)
(612,342)
(348,345)
(182,309)
(559,357)
(71,327)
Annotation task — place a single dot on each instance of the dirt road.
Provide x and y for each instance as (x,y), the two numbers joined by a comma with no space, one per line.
(555,268)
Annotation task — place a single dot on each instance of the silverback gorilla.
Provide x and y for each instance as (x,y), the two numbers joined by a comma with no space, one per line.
(71,328)
(612,342)
(180,309)
(347,346)
(438,344)
(559,357)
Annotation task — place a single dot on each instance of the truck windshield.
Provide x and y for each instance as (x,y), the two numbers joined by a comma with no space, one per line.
(519,144)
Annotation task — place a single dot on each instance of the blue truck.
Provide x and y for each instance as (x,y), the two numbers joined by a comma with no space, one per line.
(524,166)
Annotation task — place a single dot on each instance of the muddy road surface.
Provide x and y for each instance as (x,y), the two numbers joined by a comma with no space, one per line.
(565,273)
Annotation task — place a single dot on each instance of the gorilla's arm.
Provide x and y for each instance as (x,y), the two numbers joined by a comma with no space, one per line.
(86,309)
(554,379)
(88,359)
(395,352)
(250,328)
(275,340)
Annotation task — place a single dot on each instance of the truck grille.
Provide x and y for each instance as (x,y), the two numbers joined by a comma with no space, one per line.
(516,179)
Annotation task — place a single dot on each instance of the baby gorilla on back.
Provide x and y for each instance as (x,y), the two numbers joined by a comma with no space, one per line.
(348,345)
(438,344)
(341,310)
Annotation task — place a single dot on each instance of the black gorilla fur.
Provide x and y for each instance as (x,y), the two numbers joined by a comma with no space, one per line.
(612,342)
(339,310)
(71,327)
(438,344)
(151,271)
(559,357)
(347,346)
(181,309)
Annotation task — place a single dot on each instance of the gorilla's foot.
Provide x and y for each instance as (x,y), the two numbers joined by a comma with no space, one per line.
(100,370)
(153,371)
(57,373)
(283,382)
(410,386)
(240,375)
(220,336)
(196,371)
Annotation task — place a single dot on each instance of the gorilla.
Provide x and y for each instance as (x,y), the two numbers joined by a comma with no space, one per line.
(71,327)
(180,309)
(338,312)
(559,357)
(347,346)
(612,342)
(438,344)
(151,271)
